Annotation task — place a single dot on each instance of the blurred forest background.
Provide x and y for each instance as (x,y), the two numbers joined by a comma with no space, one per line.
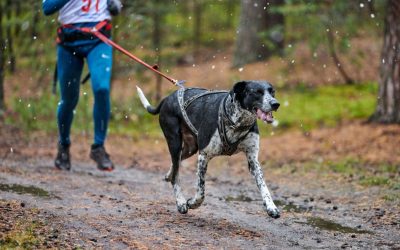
(324,57)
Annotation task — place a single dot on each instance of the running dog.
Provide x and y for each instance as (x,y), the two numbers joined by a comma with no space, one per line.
(215,123)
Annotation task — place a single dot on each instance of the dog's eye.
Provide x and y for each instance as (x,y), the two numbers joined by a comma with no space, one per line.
(271,91)
(260,92)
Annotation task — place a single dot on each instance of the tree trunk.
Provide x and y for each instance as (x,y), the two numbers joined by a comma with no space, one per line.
(197,13)
(2,64)
(9,36)
(388,106)
(331,45)
(255,18)
(157,17)
(276,21)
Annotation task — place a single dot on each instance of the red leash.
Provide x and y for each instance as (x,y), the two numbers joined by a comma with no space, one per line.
(95,31)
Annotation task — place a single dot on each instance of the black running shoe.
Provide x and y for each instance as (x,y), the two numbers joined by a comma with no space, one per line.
(99,155)
(63,161)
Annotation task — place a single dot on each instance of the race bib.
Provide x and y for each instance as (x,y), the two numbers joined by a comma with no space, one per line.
(81,11)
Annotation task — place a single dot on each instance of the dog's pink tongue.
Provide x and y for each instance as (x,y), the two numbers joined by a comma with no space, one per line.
(261,115)
(266,117)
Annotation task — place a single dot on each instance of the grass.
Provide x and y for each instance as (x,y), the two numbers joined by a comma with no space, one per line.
(308,108)
(303,108)
(23,236)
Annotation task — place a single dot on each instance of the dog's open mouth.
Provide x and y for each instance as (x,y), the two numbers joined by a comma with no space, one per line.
(265,116)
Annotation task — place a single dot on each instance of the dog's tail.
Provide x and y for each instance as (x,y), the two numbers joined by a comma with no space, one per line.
(152,110)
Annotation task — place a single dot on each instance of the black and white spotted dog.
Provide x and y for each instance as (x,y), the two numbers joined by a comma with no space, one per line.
(215,123)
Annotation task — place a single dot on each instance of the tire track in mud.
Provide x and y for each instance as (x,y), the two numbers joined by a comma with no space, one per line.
(134,208)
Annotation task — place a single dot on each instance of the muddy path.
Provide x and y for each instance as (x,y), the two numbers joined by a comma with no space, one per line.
(134,208)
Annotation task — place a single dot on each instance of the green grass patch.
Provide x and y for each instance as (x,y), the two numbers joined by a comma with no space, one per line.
(22,237)
(307,108)
(374,181)
(345,166)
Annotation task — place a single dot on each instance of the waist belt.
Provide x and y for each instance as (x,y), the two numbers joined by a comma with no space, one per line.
(71,33)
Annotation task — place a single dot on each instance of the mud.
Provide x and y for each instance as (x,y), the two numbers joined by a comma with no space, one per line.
(134,208)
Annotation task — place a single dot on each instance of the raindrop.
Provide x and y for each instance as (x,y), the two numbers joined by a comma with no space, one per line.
(293,61)
(240,69)
(286,103)
(275,123)
(361,5)
(213,67)
(372,15)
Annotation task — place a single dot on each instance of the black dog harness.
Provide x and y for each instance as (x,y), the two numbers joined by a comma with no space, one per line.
(228,148)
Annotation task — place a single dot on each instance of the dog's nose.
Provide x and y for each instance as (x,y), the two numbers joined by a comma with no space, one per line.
(274,105)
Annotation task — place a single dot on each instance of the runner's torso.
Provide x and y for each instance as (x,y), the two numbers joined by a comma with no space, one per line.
(81,11)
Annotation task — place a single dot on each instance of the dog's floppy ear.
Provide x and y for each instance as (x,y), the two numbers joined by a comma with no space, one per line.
(238,89)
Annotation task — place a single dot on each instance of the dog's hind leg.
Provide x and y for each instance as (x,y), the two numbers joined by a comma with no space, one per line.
(201,172)
(189,149)
(174,140)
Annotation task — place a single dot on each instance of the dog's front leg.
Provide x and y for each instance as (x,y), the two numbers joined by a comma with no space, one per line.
(256,172)
(202,162)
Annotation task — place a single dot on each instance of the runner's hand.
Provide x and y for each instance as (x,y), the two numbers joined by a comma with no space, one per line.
(114,6)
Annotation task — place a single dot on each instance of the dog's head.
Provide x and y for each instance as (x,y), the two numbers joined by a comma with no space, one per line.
(257,97)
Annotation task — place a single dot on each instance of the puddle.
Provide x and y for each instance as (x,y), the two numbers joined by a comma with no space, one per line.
(290,207)
(240,197)
(20,189)
(332,226)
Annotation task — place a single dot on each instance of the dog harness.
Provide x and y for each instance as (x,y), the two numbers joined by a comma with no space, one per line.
(228,148)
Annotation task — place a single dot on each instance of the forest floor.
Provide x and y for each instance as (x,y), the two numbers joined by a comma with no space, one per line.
(326,202)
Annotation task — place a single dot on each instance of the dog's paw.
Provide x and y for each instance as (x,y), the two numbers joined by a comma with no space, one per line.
(274,212)
(182,208)
(168,178)
(193,203)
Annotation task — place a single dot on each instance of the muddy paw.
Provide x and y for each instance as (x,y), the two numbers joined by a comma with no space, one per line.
(274,213)
(193,204)
(183,208)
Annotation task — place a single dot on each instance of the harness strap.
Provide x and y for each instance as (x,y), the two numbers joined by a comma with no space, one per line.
(183,105)
(181,93)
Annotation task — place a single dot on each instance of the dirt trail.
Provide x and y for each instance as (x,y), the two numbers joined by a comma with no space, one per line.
(132,207)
